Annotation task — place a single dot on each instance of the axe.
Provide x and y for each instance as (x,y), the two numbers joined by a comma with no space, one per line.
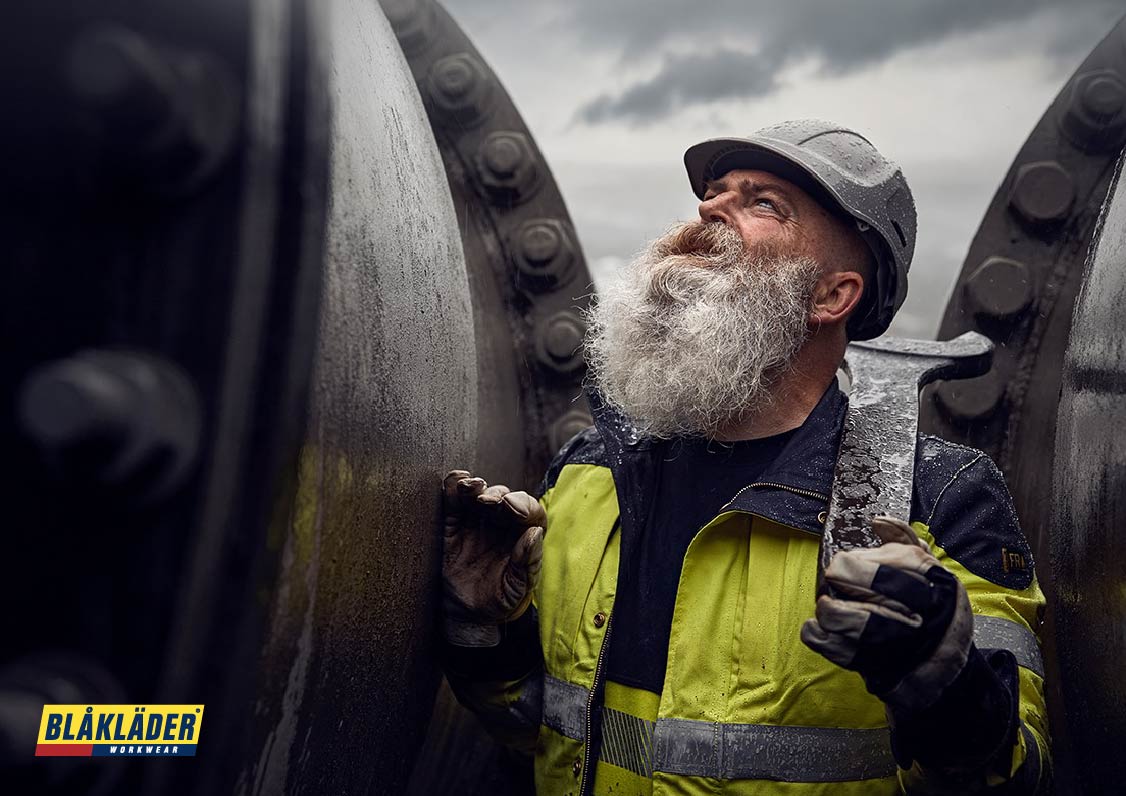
(876,463)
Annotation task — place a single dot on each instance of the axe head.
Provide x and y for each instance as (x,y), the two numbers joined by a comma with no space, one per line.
(876,462)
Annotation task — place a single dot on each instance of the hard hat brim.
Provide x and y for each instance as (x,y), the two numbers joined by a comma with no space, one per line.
(715,157)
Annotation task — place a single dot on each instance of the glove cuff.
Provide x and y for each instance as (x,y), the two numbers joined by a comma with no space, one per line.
(470,634)
(923,685)
(971,727)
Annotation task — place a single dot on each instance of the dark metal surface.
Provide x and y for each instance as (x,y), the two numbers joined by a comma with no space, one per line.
(1089,507)
(876,463)
(192,180)
(1018,286)
(528,280)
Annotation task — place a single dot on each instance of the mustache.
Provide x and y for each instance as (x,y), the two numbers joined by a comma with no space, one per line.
(711,240)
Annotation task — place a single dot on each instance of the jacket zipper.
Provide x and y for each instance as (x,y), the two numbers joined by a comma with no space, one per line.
(803,492)
(587,753)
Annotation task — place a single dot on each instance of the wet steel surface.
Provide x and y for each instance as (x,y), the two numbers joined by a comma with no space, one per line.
(349,669)
(1089,512)
(1018,286)
(876,464)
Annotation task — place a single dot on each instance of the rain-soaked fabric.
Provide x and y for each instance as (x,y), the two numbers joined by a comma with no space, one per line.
(711,473)
(735,661)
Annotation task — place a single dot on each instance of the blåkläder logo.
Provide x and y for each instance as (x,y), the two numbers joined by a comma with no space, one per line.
(119,730)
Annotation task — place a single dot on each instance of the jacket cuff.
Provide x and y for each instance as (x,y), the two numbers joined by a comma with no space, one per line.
(972,726)
(517,654)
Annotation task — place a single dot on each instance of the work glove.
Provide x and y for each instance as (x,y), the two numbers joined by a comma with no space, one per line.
(896,616)
(491,554)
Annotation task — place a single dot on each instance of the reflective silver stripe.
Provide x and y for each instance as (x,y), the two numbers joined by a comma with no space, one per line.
(564,707)
(721,751)
(760,751)
(993,632)
(627,742)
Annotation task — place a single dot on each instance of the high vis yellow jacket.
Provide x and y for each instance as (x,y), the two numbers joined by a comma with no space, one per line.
(745,707)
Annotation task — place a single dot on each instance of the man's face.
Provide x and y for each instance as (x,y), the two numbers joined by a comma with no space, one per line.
(768,211)
(692,336)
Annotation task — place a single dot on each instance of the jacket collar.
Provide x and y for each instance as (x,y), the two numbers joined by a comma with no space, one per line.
(793,490)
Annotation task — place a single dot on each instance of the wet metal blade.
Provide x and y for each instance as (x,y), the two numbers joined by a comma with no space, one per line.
(876,463)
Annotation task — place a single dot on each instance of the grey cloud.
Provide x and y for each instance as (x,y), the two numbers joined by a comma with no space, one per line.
(761,38)
(683,80)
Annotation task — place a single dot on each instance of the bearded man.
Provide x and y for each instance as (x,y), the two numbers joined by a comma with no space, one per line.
(648,625)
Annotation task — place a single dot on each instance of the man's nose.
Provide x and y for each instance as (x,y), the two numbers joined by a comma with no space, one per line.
(717,208)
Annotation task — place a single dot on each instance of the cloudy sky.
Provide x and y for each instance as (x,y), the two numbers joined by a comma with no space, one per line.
(615,90)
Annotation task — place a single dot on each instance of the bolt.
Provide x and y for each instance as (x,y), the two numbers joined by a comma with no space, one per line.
(563,429)
(559,341)
(999,289)
(544,253)
(459,89)
(412,21)
(166,118)
(971,400)
(1095,115)
(123,423)
(506,165)
(1043,193)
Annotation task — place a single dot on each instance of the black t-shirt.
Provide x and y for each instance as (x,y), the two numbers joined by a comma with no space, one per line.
(697,478)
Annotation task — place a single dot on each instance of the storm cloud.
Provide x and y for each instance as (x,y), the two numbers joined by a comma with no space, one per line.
(740,48)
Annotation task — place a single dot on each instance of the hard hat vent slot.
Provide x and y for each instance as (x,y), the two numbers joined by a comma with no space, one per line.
(899,232)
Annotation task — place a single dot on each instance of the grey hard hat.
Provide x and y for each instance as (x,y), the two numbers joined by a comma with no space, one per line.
(846,174)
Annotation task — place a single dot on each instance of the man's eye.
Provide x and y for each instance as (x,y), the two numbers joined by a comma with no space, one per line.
(766,203)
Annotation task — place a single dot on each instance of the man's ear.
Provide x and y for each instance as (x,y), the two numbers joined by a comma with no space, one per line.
(835,296)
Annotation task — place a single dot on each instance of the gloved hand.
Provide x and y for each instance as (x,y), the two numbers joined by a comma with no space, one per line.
(897,617)
(492,548)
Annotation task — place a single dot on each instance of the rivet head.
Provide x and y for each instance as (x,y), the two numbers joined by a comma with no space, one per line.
(599,619)
(563,429)
(459,89)
(999,289)
(1094,118)
(544,253)
(559,341)
(577,766)
(1042,193)
(507,166)
(965,401)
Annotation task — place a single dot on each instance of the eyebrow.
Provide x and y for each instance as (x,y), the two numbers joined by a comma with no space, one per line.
(747,185)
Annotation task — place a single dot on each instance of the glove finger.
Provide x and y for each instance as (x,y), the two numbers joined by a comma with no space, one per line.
(837,648)
(904,557)
(857,574)
(526,508)
(451,495)
(468,489)
(892,529)
(522,568)
(492,495)
(844,617)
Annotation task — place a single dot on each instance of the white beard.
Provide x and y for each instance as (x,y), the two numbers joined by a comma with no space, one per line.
(690,338)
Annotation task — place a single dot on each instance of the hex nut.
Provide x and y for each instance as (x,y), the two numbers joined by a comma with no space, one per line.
(459,89)
(975,400)
(559,342)
(999,289)
(507,167)
(568,426)
(1094,118)
(1042,193)
(412,21)
(544,252)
